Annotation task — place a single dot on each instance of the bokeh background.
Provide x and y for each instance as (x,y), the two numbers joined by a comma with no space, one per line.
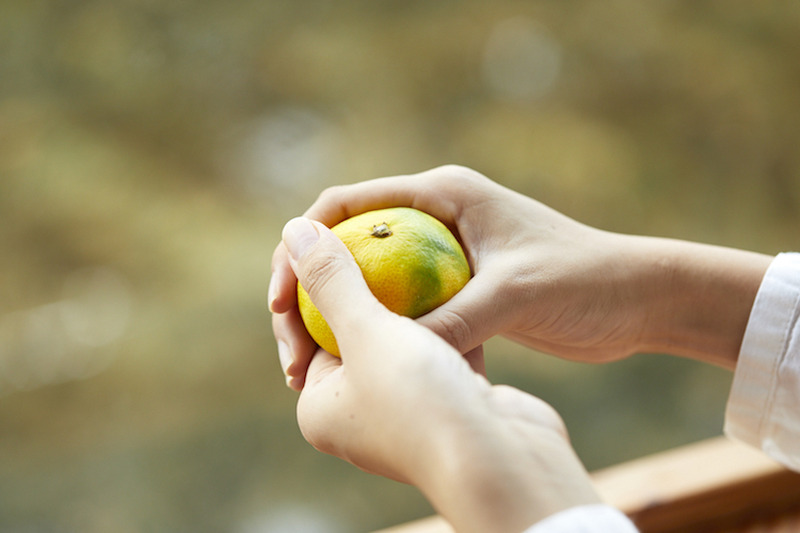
(150,152)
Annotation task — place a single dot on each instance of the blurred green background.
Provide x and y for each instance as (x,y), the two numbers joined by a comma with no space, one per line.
(150,152)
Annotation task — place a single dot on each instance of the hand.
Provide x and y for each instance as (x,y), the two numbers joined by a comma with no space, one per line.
(547,281)
(403,403)
(539,277)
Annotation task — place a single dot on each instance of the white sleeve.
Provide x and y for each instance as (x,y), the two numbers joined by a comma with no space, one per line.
(585,519)
(764,405)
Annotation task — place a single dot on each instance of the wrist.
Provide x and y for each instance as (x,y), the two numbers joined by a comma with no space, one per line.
(701,300)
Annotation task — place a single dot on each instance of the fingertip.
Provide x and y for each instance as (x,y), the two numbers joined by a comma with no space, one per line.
(476,360)
(299,235)
(283,300)
(295,383)
(295,345)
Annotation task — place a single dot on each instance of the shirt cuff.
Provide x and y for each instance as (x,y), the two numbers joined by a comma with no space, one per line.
(762,402)
(585,519)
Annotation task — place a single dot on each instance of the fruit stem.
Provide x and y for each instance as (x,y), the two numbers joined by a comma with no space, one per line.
(381,230)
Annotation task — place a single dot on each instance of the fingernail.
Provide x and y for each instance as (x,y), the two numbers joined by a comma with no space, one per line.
(293,383)
(285,356)
(273,288)
(299,234)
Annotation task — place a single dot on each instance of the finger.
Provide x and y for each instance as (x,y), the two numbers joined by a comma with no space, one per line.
(513,402)
(476,361)
(322,418)
(436,191)
(333,281)
(295,346)
(473,315)
(317,407)
(283,283)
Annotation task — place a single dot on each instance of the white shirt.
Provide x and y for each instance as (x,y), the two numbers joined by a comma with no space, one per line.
(764,405)
(585,519)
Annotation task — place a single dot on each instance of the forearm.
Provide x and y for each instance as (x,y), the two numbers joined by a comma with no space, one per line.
(702,297)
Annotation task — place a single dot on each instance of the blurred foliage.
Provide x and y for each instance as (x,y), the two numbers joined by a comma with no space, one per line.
(151,151)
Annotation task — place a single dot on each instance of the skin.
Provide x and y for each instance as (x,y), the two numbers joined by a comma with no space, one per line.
(547,281)
(403,403)
(539,278)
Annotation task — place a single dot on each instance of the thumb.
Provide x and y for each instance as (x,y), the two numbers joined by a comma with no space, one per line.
(329,274)
(473,315)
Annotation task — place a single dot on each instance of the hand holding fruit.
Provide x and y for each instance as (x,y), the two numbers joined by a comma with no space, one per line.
(539,277)
(403,403)
(410,261)
(547,281)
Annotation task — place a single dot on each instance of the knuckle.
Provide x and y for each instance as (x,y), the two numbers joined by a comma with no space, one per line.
(458,182)
(550,418)
(534,409)
(332,204)
(320,270)
(316,438)
(454,188)
(454,329)
(279,256)
(331,194)
(458,173)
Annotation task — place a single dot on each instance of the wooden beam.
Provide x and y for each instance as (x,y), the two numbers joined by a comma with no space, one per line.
(706,486)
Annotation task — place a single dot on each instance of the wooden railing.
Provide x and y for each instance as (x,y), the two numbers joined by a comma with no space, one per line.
(714,486)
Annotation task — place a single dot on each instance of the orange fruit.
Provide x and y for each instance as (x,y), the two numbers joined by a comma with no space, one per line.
(410,261)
